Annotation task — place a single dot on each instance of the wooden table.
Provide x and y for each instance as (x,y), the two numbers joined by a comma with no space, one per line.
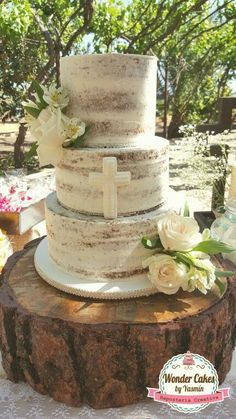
(104,353)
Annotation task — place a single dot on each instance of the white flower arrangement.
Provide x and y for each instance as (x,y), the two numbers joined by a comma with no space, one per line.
(182,258)
(47,123)
(56,97)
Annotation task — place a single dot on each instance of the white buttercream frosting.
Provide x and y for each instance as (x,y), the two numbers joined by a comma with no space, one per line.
(115,94)
(96,248)
(148,188)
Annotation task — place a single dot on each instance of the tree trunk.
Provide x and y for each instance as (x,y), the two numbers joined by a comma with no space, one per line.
(165,101)
(57,64)
(175,123)
(218,187)
(19,143)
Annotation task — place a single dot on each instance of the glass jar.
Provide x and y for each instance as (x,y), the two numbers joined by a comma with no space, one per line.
(224,229)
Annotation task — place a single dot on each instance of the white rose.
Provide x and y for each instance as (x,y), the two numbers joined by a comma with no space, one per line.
(48,130)
(178,233)
(48,127)
(36,126)
(167,275)
(49,154)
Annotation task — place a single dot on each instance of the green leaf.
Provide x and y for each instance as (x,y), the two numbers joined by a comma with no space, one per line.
(32,111)
(32,152)
(40,92)
(184,258)
(79,142)
(41,105)
(213,247)
(225,274)
(185,211)
(206,234)
(151,242)
(220,285)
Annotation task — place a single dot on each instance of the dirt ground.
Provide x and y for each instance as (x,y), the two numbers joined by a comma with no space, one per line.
(198,199)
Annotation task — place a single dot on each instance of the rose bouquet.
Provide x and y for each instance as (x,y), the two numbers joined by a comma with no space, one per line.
(49,125)
(181,257)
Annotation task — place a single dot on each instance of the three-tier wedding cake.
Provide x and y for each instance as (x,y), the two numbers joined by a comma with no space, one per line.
(110,191)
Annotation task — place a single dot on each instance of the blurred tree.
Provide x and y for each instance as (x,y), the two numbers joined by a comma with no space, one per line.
(34,34)
(193,40)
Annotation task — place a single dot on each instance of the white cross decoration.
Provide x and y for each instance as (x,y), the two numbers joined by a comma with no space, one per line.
(108,181)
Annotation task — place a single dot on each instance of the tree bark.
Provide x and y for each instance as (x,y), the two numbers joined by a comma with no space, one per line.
(18,153)
(218,187)
(175,123)
(165,101)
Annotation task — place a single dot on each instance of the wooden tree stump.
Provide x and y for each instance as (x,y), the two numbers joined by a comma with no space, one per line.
(104,353)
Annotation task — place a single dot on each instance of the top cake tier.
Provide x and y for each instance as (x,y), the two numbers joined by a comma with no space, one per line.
(114,94)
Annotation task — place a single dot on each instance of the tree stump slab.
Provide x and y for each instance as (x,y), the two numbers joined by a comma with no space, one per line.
(104,353)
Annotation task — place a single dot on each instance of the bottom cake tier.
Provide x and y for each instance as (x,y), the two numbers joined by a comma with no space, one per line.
(101,254)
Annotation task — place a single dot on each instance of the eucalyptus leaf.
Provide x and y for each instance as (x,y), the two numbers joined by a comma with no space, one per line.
(213,247)
(220,285)
(151,242)
(32,111)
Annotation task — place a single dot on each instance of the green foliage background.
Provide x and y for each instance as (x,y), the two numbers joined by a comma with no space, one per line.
(193,40)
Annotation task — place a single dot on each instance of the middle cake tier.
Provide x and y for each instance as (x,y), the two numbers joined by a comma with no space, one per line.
(149,176)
